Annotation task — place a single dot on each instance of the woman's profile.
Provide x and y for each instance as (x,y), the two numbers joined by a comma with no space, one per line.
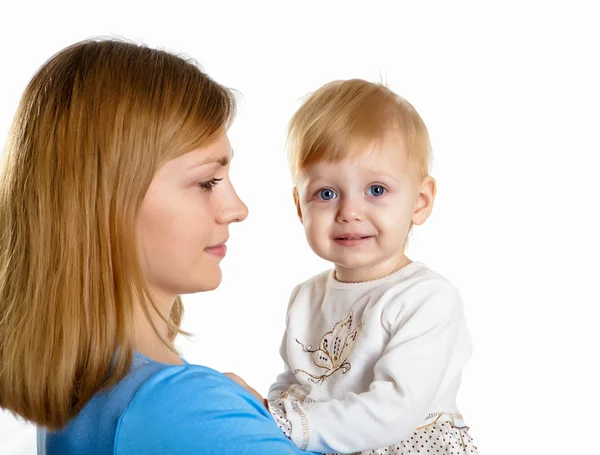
(115,199)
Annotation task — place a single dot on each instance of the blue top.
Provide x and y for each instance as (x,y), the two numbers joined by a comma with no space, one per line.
(170,409)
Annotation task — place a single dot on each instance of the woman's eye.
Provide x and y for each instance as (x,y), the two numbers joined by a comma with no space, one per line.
(209,184)
(376,190)
(326,194)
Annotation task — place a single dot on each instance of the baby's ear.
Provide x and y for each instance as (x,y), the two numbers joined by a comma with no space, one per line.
(297,202)
(424,202)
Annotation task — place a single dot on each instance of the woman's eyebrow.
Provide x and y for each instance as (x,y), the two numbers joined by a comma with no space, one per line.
(223,161)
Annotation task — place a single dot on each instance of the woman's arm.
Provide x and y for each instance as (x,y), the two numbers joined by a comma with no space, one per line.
(196,410)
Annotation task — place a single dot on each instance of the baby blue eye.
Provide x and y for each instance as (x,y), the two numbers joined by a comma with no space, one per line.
(376,190)
(326,194)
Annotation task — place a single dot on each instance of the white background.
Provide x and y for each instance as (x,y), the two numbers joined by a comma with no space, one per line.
(510,93)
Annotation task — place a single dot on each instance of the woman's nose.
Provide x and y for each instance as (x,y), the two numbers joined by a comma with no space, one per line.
(233,211)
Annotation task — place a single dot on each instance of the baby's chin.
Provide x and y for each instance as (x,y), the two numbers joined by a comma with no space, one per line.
(350,264)
(348,258)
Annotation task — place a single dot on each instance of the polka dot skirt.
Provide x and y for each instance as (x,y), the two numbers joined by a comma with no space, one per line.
(440,438)
(278,413)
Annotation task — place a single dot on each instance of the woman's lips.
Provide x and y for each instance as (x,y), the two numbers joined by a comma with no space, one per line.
(217,250)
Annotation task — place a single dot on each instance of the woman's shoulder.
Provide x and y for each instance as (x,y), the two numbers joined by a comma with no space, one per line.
(179,389)
(195,409)
(193,384)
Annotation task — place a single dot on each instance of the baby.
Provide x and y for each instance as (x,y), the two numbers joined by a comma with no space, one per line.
(373,349)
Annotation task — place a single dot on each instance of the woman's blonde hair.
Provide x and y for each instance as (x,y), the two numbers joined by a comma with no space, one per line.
(93,126)
(344,118)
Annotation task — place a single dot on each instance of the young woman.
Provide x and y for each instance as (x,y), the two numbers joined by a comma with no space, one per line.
(115,199)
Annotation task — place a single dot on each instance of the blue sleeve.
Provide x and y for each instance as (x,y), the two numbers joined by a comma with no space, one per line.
(196,410)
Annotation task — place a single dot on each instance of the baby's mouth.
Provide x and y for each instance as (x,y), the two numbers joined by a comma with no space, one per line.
(352,237)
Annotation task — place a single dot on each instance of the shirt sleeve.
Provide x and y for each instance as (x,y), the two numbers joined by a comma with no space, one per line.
(286,378)
(406,380)
(196,410)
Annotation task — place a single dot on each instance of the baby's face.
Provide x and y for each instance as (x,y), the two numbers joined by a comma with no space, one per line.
(357,212)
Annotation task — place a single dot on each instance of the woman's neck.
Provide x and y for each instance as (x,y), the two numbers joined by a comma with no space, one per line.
(148,342)
(156,350)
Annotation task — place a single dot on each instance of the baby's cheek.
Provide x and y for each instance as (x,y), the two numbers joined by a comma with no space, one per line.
(315,238)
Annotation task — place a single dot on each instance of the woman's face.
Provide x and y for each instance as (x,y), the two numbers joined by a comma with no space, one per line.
(184,221)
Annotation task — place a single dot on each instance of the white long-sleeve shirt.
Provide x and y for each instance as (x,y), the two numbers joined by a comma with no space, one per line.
(368,363)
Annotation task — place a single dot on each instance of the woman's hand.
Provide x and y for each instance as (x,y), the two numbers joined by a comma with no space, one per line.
(243,383)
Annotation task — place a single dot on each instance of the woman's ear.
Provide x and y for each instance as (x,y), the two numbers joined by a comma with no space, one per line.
(297,202)
(424,202)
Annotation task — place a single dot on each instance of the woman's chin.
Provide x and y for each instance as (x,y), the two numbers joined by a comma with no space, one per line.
(210,281)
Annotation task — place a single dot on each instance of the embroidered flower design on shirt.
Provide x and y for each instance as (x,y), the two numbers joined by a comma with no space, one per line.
(334,349)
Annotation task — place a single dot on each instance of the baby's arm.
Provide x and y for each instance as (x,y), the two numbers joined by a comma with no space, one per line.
(284,381)
(282,384)
(286,378)
(406,380)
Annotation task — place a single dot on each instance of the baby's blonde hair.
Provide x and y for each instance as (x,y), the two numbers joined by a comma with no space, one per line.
(93,126)
(344,118)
